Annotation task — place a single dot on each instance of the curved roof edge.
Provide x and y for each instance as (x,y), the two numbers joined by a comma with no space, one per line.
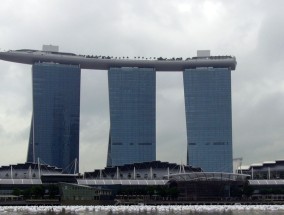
(209,176)
(260,165)
(160,64)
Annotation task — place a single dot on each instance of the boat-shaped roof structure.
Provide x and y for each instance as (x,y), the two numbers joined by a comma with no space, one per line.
(29,56)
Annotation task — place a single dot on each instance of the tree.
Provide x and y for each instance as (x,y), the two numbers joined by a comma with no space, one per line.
(16,192)
(37,191)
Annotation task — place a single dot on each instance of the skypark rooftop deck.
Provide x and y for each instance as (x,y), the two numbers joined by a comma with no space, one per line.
(27,56)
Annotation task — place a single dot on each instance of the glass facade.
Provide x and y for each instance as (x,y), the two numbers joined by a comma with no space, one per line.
(54,135)
(209,118)
(132,101)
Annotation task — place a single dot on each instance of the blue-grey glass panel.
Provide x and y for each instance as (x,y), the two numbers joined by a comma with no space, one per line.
(132,100)
(208,118)
(56,109)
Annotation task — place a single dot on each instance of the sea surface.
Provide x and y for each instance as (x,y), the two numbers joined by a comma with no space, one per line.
(144,210)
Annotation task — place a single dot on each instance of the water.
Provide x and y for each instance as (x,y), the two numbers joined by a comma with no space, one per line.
(144,210)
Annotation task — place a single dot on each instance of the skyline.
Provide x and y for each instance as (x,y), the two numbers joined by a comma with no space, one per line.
(252,34)
(132,104)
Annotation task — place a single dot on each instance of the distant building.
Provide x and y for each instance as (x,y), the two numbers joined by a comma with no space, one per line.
(208,110)
(132,101)
(269,170)
(266,180)
(54,135)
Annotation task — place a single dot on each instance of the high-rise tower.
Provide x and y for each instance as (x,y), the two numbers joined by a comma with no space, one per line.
(54,135)
(209,118)
(132,101)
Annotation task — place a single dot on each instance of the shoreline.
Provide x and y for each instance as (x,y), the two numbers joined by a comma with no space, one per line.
(39,203)
(146,208)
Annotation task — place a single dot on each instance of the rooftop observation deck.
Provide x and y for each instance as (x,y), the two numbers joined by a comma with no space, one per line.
(27,56)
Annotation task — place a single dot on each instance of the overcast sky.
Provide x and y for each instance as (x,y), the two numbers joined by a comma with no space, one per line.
(253,31)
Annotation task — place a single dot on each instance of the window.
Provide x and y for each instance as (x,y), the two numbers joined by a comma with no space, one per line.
(145,144)
(219,143)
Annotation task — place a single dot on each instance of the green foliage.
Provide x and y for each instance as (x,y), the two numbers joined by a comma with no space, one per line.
(27,193)
(268,191)
(236,191)
(38,192)
(17,192)
(173,192)
(52,190)
(247,190)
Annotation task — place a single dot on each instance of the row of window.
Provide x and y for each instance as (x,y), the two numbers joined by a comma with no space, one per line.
(141,144)
(214,143)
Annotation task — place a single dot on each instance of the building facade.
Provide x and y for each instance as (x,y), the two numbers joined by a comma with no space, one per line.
(268,170)
(54,135)
(154,170)
(208,118)
(132,102)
